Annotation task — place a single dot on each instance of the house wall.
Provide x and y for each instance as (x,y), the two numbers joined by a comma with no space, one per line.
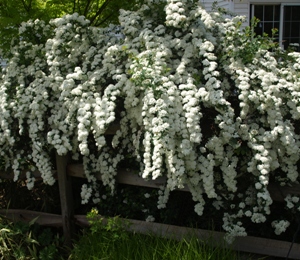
(207,4)
(236,6)
(242,8)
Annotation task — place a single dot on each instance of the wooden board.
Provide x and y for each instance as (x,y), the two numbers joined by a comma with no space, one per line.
(123,177)
(66,198)
(64,172)
(247,244)
(113,128)
(45,219)
(8,175)
(277,192)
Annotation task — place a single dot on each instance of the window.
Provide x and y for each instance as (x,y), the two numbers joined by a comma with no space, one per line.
(284,17)
(291,25)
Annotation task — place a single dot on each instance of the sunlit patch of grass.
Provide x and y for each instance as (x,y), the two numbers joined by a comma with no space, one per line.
(130,246)
(112,241)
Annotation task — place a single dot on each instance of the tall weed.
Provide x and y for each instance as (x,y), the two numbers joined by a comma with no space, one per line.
(110,240)
(26,241)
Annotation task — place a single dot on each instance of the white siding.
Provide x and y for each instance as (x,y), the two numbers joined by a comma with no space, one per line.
(238,7)
(221,3)
(242,8)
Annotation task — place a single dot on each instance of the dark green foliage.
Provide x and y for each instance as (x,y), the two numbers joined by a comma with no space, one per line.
(28,241)
(14,12)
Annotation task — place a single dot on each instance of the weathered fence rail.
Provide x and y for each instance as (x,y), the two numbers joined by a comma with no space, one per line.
(65,172)
(277,192)
(249,244)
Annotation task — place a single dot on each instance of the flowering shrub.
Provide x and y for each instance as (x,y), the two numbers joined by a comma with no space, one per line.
(198,101)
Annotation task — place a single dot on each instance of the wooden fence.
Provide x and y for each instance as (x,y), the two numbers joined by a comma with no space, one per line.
(67,219)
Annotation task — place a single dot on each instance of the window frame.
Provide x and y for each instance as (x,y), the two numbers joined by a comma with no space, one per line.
(282,5)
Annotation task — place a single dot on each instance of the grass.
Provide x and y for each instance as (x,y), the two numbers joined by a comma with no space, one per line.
(112,241)
(131,246)
(26,241)
(103,240)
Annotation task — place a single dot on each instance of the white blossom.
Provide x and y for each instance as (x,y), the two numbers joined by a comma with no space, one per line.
(194,104)
(280,226)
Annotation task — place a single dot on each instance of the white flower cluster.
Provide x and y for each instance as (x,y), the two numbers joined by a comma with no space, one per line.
(175,13)
(280,226)
(292,202)
(150,218)
(197,101)
(86,193)
(30,180)
(232,229)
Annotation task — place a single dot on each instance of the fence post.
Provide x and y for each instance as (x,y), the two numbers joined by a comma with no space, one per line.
(66,198)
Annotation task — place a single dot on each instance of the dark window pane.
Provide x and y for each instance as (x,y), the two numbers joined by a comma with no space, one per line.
(269,16)
(258,12)
(258,30)
(287,13)
(277,12)
(269,13)
(295,28)
(295,13)
(291,25)
(286,43)
(276,26)
(268,26)
(286,29)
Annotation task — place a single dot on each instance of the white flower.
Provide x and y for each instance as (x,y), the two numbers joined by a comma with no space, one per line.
(190,107)
(258,186)
(248,213)
(258,218)
(280,226)
(150,218)
(199,209)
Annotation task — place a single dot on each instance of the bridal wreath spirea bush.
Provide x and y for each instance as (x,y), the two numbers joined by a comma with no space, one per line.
(199,101)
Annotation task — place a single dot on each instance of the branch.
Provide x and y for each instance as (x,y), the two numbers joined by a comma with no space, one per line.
(74,6)
(87,7)
(78,6)
(100,10)
(26,7)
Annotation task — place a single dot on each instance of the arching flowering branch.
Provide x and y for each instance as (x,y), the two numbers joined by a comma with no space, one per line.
(195,104)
